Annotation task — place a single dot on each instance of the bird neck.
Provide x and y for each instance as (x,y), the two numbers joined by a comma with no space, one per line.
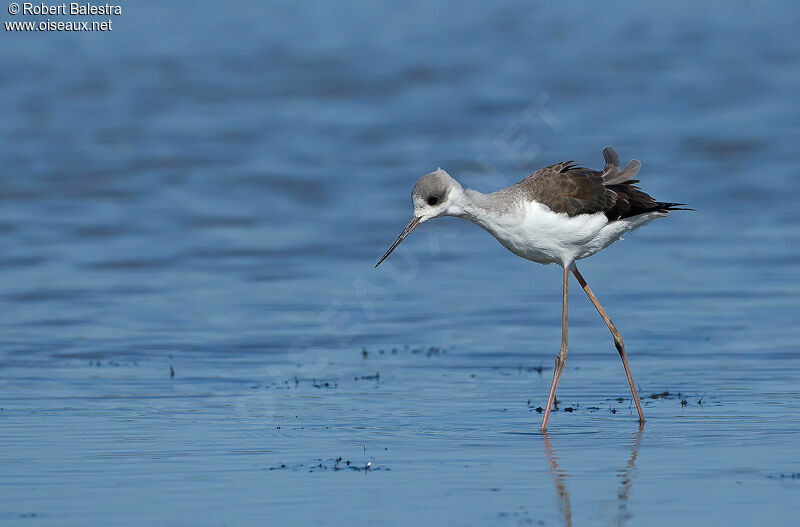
(484,210)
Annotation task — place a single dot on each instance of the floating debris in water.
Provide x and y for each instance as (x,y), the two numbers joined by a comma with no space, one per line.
(790,475)
(682,398)
(336,464)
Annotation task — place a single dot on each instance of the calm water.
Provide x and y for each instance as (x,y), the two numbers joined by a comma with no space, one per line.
(206,189)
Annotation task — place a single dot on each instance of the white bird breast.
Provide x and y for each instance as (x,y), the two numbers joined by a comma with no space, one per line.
(534,232)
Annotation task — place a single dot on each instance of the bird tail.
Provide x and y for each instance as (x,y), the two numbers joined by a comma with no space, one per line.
(612,174)
(667,207)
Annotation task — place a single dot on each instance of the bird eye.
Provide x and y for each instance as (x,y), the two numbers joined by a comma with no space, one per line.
(433,200)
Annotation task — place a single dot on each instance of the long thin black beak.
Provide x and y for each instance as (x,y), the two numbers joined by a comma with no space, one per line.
(410,227)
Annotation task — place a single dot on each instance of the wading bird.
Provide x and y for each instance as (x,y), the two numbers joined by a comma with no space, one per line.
(559,214)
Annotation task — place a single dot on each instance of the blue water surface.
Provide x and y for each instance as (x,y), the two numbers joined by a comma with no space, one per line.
(193,333)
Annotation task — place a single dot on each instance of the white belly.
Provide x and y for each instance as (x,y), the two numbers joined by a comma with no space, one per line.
(536,233)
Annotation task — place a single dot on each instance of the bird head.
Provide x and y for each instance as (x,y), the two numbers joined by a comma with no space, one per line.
(434,195)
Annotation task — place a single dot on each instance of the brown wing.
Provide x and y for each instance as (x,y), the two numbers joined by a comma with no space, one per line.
(565,187)
(571,189)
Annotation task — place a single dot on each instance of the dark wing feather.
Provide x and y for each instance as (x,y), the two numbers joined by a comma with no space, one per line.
(566,187)
(571,189)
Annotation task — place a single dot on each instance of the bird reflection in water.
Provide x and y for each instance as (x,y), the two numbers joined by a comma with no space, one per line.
(625,476)
(559,479)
